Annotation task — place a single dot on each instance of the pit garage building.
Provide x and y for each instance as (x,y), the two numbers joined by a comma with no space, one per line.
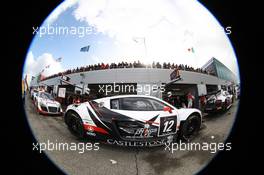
(149,80)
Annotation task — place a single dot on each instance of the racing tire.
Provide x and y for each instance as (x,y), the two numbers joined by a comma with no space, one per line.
(75,124)
(225,106)
(190,128)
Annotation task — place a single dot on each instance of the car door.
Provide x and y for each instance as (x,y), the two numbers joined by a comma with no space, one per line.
(168,117)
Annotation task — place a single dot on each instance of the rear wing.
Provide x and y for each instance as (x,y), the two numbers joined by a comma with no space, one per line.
(173,81)
(212,93)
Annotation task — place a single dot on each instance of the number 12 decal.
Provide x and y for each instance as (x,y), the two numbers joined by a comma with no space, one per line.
(167,125)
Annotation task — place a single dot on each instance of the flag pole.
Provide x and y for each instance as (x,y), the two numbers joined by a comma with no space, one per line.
(146,52)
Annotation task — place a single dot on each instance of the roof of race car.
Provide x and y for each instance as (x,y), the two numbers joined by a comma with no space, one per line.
(125,96)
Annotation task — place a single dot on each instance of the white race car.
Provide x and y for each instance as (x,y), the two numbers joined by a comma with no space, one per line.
(222,100)
(227,94)
(132,120)
(46,104)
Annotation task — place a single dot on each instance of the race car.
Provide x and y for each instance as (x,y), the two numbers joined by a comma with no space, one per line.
(46,104)
(132,120)
(221,101)
(227,94)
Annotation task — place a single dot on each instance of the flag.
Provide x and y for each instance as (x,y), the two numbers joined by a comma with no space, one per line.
(191,50)
(58,60)
(85,49)
(139,40)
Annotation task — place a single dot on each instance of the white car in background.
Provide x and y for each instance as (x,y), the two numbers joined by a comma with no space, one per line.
(132,120)
(222,100)
(46,104)
(227,94)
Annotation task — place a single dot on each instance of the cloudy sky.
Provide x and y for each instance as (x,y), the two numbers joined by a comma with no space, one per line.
(128,30)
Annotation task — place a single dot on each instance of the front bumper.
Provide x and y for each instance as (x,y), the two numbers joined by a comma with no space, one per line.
(212,108)
(46,110)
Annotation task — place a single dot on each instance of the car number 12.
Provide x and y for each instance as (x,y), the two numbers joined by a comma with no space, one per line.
(167,125)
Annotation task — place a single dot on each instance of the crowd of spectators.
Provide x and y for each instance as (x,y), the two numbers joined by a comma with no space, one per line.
(135,64)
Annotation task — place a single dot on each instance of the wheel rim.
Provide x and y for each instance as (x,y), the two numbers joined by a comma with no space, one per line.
(76,127)
(191,127)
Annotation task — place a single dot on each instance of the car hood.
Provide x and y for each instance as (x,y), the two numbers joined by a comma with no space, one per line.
(49,102)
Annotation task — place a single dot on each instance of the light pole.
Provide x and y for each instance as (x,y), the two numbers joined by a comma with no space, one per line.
(141,40)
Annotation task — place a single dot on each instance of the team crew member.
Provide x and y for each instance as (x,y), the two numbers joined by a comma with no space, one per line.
(190,99)
(202,102)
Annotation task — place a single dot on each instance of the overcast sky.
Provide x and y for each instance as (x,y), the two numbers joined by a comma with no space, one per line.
(129,30)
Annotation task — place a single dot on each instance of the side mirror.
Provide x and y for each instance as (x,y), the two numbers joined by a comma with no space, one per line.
(167,108)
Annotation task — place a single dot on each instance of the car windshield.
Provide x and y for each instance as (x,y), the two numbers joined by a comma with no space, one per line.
(212,97)
(137,104)
(46,96)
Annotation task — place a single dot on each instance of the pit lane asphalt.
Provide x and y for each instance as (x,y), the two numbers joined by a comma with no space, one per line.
(129,160)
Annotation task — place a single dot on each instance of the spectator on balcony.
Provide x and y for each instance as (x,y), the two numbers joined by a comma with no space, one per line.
(135,64)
